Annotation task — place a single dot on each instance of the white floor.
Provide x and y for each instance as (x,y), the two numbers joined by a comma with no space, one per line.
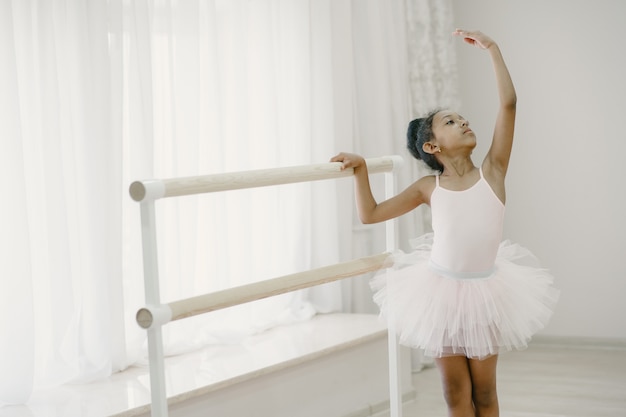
(543,381)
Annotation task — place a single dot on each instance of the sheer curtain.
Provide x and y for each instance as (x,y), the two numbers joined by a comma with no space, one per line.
(98,94)
(219,87)
(60,256)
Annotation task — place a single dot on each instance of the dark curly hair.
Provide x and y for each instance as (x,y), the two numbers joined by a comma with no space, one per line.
(418,133)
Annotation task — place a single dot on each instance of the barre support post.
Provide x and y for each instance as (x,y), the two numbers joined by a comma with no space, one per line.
(153,297)
(395,384)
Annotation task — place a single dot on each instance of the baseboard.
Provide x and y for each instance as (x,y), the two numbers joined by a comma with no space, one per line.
(575,342)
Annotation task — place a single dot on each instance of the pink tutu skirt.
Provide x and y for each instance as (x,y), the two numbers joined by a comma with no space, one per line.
(475,317)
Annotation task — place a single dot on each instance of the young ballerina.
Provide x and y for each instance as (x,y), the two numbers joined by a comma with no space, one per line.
(463,295)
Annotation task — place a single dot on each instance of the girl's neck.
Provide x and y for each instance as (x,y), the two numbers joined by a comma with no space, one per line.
(458,168)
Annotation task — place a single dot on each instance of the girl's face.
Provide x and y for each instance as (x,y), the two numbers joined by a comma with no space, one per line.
(451,130)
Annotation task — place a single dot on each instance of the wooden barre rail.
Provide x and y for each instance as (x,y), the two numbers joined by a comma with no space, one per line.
(193,306)
(155,189)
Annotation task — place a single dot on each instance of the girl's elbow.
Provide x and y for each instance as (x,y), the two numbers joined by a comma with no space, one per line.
(511,102)
(367,215)
(366,219)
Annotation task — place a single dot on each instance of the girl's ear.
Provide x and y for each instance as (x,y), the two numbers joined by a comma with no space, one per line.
(430,148)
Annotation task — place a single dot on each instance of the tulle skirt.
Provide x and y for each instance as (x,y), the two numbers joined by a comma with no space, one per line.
(474,317)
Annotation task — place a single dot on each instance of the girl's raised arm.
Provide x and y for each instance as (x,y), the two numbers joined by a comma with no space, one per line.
(497,159)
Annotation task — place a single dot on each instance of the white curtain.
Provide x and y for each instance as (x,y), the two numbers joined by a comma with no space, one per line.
(61,253)
(97,94)
(219,87)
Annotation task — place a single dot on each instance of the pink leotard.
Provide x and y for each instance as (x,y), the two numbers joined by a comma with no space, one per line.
(467,229)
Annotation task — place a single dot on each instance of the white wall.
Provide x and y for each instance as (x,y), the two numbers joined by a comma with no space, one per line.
(566,183)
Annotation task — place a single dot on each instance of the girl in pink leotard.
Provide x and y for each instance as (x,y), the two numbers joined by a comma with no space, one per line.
(462,295)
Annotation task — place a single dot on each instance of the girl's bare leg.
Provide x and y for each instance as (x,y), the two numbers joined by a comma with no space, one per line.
(484,393)
(457,385)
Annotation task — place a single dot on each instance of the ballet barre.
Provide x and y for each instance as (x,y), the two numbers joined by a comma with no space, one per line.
(154,314)
(243,294)
(155,189)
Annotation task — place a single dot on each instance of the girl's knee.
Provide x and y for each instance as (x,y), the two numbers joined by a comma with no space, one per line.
(457,395)
(485,397)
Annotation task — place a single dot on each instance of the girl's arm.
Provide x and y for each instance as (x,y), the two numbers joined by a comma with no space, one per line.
(497,159)
(369,210)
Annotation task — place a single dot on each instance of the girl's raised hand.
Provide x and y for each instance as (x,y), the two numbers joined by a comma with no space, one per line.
(476,38)
(349,160)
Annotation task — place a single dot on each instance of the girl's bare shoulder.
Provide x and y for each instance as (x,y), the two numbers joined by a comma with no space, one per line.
(424,187)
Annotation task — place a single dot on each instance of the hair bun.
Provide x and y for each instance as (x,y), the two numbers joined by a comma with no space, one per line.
(419,132)
(411,137)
